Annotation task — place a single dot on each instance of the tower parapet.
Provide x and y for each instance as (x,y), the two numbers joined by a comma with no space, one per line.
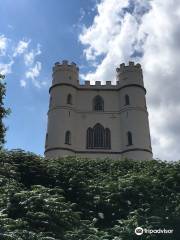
(68,74)
(131,67)
(130,74)
(65,72)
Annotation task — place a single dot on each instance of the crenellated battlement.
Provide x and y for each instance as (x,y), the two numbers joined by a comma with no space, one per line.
(68,73)
(129,68)
(65,66)
(99,83)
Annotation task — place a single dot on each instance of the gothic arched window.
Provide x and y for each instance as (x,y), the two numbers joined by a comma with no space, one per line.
(98,103)
(129,138)
(127,101)
(98,137)
(69,99)
(68,137)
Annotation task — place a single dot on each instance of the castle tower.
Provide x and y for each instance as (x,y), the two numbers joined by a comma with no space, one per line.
(135,134)
(98,120)
(61,115)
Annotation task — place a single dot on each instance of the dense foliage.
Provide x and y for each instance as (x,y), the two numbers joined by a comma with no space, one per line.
(3,111)
(82,199)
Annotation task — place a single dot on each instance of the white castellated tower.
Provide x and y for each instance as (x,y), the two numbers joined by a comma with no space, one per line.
(98,120)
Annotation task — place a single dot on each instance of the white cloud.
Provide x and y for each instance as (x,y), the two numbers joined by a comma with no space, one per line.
(105,27)
(30,56)
(23,83)
(3,45)
(147,32)
(21,47)
(112,35)
(6,68)
(31,67)
(34,67)
(33,73)
(82,14)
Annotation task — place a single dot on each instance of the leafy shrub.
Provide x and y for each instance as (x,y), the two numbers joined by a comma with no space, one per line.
(78,199)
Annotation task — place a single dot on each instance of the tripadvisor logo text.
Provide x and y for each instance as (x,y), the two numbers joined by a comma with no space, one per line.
(140,231)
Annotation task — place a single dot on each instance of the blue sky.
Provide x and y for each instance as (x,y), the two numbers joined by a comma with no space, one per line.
(98,35)
(54,27)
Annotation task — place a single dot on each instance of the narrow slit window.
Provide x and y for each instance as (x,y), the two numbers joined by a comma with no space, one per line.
(127,101)
(69,99)
(129,139)
(68,137)
(50,102)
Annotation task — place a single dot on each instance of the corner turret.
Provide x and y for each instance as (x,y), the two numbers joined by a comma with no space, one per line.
(130,74)
(65,73)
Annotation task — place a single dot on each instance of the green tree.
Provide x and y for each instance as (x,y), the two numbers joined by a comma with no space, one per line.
(3,111)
